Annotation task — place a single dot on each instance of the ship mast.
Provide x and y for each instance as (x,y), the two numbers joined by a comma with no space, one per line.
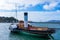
(16,11)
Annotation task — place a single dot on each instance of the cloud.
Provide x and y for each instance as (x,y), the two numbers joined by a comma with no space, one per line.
(10,4)
(27,3)
(7,7)
(24,4)
(51,6)
(2,2)
(34,16)
(58,10)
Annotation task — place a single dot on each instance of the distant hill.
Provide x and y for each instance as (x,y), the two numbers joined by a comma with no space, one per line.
(54,21)
(50,21)
(8,19)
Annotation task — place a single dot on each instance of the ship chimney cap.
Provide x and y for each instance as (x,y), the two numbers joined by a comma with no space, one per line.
(25,13)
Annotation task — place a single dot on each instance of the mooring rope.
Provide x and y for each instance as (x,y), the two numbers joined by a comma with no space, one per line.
(51,37)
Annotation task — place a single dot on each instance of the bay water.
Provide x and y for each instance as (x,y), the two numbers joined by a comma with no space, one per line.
(5,33)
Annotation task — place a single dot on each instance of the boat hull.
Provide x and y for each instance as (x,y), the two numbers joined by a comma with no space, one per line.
(38,33)
(27,32)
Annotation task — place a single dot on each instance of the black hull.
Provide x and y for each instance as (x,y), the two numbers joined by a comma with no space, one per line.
(42,34)
(50,31)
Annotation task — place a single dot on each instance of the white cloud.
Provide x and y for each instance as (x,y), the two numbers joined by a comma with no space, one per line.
(51,6)
(10,4)
(7,7)
(34,16)
(58,10)
(26,3)
(2,2)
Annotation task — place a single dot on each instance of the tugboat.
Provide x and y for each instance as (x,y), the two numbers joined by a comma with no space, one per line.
(24,27)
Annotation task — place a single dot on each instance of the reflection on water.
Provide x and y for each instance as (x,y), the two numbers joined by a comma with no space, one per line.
(18,36)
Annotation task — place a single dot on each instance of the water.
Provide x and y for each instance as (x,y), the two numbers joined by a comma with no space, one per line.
(5,33)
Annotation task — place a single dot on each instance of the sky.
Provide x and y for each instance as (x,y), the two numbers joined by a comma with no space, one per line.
(38,10)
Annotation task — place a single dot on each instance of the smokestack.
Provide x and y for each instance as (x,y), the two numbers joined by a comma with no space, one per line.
(25,19)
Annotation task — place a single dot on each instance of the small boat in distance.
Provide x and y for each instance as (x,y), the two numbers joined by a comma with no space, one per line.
(24,27)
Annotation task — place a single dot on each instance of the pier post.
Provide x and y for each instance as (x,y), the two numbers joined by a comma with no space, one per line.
(25,19)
